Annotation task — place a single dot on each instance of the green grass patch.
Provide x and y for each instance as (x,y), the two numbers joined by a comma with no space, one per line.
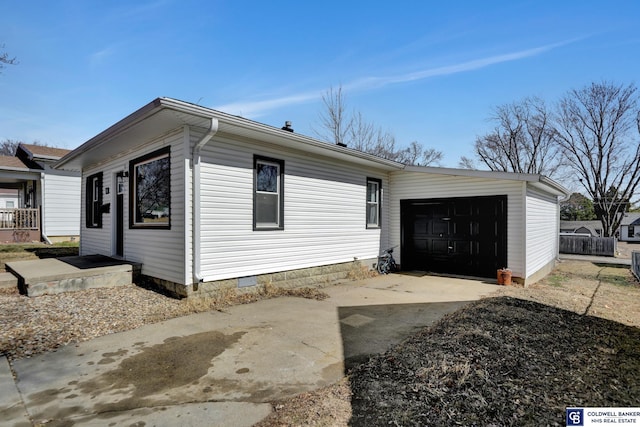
(618,280)
(556,280)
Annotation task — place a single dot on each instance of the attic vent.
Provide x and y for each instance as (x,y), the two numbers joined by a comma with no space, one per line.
(287,126)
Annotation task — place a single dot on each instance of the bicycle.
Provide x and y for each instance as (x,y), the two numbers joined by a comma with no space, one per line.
(386,264)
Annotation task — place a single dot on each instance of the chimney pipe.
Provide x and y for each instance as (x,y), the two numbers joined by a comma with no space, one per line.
(287,126)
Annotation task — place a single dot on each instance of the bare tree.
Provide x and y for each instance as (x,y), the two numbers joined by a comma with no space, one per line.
(8,146)
(355,131)
(467,163)
(335,123)
(596,128)
(5,59)
(523,140)
(416,154)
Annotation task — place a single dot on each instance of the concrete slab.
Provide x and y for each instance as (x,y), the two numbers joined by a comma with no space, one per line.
(248,354)
(221,414)
(56,275)
(597,259)
(11,407)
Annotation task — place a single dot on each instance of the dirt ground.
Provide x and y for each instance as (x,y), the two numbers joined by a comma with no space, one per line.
(518,357)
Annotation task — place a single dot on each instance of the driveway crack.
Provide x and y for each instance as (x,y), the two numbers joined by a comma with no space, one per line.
(314,347)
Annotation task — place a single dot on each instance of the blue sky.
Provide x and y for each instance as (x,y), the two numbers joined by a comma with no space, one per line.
(427,71)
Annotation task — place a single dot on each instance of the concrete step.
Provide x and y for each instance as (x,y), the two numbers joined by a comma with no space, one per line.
(8,281)
(56,275)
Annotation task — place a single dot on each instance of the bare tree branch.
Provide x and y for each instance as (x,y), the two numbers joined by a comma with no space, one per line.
(5,59)
(356,132)
(335,124)
(596,131)
(523,140)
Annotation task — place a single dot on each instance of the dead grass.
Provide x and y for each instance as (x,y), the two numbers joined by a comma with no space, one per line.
(360,272)
(227,297)
(26,251)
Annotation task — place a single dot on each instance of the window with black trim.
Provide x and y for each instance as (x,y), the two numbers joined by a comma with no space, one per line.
(268,194)
(374,191)
(93,201)
(150,194)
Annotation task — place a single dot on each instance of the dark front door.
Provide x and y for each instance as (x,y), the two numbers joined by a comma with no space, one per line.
(464,236)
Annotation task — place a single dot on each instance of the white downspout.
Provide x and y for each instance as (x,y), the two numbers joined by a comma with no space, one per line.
(43,231)
(195,202)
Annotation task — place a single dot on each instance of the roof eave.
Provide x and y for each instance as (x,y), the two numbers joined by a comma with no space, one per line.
(537,180)
(229,123)
(104,136)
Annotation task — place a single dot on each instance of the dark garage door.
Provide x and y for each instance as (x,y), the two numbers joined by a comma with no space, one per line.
(465,236)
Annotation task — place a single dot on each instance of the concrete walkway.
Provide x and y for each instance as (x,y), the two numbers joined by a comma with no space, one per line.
(597,259)
(222,368)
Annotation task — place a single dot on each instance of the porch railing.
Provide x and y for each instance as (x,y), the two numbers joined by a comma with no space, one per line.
(19,219)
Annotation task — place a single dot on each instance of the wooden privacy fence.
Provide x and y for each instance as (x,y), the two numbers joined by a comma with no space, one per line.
(586,245)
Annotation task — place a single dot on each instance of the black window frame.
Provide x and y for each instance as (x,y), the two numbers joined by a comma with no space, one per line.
(379,203)
(93,201)
(631,231)
(161,153)
(263,159)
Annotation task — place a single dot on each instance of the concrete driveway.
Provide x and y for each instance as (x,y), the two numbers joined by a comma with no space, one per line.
(222,368)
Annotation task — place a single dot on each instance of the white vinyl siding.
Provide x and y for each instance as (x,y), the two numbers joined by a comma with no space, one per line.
(423,185)
(161,251)
(61,205)
(324,221)
(543,223)
(624,233)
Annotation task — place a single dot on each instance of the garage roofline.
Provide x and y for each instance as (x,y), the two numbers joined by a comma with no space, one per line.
(536,180)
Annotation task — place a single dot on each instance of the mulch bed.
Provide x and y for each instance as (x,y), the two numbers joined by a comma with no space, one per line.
(500,362)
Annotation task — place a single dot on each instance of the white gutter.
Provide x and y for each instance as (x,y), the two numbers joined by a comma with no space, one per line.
(195,202)
(43,231)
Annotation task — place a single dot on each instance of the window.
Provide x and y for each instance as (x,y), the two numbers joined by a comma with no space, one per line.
(94,201)
(631,231)
(10,204)
(150,195)
(374,189)
(268,196)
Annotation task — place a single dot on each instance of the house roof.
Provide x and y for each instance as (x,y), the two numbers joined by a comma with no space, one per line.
(630,218)
(594,227)
(12,163)
(41,152)
(164,115)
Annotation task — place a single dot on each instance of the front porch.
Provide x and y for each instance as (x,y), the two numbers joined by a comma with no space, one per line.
(19,225)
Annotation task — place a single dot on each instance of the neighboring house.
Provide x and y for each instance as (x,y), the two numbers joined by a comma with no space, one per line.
(38,202)
(593,228)
(206,200)
(9,198)
(630,227)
